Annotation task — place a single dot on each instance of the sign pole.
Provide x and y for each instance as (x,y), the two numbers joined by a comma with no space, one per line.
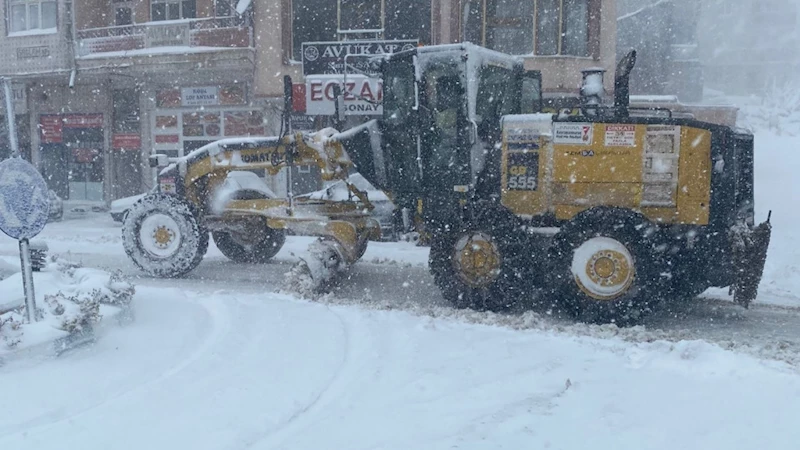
(12,126)
(24,245)
(27,280)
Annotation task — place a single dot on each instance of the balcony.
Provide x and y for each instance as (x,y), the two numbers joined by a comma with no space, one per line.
(165,37)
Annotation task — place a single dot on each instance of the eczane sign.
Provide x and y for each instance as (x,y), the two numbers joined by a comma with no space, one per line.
(362,95)
(325,65)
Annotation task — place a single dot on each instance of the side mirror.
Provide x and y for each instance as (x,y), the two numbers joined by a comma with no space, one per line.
(158,160)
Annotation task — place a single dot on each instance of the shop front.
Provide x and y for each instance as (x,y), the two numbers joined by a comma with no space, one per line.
(188,118)
(73,155)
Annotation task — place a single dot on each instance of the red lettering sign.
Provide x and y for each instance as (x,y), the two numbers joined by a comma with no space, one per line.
(167,139)
(50,127)
(126,141)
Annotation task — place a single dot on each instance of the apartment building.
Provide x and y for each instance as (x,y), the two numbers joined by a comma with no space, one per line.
(558,37)
(100,84)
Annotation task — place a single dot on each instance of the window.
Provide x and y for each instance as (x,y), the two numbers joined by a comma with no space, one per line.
(172,9)
(123,16)
(28,15)
(509,26)
(312,21)
(224,8)
(541,27)
(328,20)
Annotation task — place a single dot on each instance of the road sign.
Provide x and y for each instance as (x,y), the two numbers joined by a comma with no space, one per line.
(24,201)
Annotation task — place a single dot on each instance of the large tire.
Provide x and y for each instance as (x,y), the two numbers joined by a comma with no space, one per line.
(496,239)
(164,236)
(608,266)
(257,247)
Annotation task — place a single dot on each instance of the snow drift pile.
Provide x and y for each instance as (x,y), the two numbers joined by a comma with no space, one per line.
(69,299)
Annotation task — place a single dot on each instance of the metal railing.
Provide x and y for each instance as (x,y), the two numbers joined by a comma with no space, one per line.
(199,32)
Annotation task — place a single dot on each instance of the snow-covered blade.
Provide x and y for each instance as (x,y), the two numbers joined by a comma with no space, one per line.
(314,273)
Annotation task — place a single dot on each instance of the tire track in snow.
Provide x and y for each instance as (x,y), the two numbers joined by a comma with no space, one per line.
(219,324)
(304,416)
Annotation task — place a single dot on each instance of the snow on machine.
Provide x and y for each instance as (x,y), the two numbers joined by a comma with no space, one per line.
(213,189)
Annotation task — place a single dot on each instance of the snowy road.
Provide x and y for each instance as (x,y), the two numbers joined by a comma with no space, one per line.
(215,370)
(220,361)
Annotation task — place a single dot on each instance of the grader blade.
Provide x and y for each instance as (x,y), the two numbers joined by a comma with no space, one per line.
(314,273)
(750,258)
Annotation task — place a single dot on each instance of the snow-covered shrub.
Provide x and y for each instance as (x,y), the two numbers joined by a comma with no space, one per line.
(71,299)
(778,110)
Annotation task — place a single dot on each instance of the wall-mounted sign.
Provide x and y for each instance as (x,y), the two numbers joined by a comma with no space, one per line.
(174,34)
(41,51)
(225,95)
(200,96)
(126,141)
(362,95)
(51,126)
(329,57)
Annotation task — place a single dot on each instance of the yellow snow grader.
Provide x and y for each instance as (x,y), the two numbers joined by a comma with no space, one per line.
(604,215)
(215,189)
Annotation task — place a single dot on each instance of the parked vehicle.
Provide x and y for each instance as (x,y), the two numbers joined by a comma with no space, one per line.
(120,207)
(56,207)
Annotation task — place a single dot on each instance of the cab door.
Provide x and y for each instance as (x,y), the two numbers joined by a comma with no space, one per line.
(447,136)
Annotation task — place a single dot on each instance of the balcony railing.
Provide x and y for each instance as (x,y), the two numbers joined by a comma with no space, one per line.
(222,32)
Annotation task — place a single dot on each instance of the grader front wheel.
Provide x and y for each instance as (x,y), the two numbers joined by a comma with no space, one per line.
(163,236)
(484,265)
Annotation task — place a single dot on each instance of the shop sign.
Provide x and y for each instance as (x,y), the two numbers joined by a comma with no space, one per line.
(85,155)
(200,96)
(362,95)
(42,51)
(51,126)
(329,57)
(167,139)
(126,141)
(51,129)
(176,34)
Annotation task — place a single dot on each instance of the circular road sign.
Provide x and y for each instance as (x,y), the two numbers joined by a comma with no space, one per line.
(24,200)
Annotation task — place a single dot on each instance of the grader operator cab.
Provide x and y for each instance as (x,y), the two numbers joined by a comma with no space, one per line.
(603,215)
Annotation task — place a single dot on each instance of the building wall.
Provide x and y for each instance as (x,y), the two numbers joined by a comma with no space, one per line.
(36,53)
(561,74)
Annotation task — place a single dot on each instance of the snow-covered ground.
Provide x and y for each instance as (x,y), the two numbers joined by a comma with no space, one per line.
(221,360)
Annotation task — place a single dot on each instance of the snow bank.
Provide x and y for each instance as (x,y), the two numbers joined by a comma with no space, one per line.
(69,299)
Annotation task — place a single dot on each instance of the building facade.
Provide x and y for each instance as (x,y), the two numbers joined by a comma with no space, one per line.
(101,84)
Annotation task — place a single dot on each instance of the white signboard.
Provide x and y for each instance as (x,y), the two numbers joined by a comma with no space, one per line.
(166,35)
(200,96)
(362,95)
(572,133)
(620,135)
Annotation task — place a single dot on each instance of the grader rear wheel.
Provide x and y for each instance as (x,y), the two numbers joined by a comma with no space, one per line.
(258,245)
(607,266)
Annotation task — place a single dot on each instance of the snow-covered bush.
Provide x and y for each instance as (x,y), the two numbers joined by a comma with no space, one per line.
(71,298)
(778,110)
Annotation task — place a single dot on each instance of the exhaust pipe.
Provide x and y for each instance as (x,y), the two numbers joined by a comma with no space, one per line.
(622,97)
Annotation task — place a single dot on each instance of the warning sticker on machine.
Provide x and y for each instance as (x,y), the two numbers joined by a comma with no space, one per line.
(572,133)
(620,135)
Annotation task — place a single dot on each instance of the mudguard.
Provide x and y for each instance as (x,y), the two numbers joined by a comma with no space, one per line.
(749,256)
